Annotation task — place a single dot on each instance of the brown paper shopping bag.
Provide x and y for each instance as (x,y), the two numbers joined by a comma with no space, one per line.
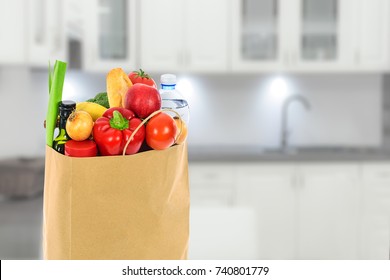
(119,207)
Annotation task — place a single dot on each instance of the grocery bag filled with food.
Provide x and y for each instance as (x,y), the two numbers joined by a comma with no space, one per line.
(116,172)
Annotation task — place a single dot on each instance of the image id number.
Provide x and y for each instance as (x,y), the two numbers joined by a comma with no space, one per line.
(253,270)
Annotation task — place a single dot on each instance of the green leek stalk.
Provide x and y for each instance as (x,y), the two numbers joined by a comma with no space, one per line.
(56,84)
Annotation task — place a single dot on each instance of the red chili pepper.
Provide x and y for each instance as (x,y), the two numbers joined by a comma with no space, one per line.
(113,130)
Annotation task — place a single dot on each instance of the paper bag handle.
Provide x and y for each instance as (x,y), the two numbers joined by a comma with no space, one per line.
(148,118)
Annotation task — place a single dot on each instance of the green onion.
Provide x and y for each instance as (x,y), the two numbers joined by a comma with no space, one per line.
(50,77)
(56,84)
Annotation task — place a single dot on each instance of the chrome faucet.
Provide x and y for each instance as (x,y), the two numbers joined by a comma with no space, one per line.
(286,104)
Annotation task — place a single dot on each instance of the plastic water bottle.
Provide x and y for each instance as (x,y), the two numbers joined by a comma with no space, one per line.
(171,98)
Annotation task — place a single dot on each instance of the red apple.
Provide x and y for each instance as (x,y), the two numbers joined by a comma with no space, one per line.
(142,100)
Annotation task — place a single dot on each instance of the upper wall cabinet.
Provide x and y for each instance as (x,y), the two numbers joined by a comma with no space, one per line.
(257,40)
(32,32)
(181,35)
(372,42)
(322,35)
(46,39)
(109,33)
(309,35)
(12,32)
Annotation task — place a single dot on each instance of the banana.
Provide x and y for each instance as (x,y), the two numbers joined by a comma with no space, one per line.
(95,110)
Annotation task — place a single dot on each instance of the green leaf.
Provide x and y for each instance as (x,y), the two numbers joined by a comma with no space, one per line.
(50,77)
(56,84)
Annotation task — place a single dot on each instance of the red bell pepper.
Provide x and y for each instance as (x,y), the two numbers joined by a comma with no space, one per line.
(112,131)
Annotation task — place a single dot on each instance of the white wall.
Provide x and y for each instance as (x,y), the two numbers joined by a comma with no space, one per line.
(225,109)
(346,111)
(22,113)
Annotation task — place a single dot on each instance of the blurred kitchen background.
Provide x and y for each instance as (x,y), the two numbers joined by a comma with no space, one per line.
(289,133)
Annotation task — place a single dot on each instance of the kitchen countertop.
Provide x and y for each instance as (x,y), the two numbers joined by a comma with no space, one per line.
(258,154)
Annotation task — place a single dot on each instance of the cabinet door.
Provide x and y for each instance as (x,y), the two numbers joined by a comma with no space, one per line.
(328,212)
(12,32)
(212,184)
(222,233)
(257,41)
(376,211)
(46,32)
(219,229)
(324,35)
(161,36)
(373,40)
(269,191)
(109,35)
(206,40)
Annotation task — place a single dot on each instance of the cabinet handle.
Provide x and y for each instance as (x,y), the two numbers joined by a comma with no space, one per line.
(384,174)
(184,59)
(57,38)
(57,42)
(40,21)
(294,181)
(357,57)
(298,181)
(188,58)
(285,58)
(294,58)
(93,57)
(303,182)
(180,58)
(289,58)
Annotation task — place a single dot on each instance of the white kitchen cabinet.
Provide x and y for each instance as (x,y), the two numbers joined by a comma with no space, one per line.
(298,210)
(46,32)
(269,191)
(32,32)
(257,34)
(206,35)
(184,35)
(213,184)
(303,211)
(110,35)
(162,29)
(324,32)
(309,35)
(327,218)
(221,233)
(372,40)
(13,23)
(296,35)
(219,228)
(376,211)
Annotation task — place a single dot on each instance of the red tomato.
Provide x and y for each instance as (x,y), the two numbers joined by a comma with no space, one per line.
(161,131)
(140,77)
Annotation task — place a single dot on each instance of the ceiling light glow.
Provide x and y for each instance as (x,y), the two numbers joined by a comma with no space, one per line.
(185,87)
(279,87)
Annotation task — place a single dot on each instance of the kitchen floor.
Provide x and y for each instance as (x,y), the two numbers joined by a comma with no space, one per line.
(21,228)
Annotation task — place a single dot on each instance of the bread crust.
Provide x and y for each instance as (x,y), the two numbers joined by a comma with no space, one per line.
(118,83)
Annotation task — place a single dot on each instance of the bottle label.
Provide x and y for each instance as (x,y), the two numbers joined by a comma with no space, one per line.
(174,103)
(169,87)
(61,139)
